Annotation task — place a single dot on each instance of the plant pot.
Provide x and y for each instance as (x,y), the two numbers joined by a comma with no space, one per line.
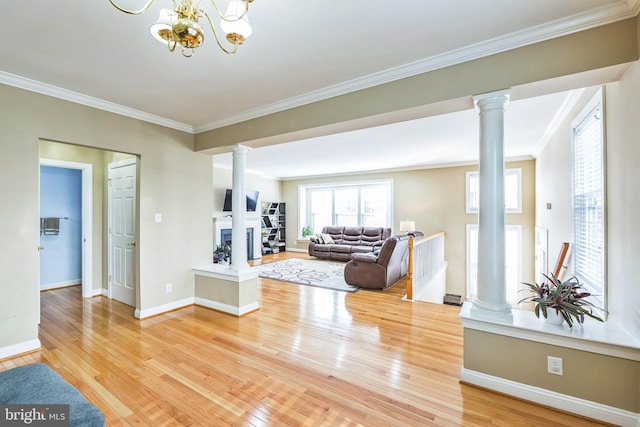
(553,317)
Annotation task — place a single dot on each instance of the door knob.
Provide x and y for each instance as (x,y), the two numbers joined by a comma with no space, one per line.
(40,248)
(131,244)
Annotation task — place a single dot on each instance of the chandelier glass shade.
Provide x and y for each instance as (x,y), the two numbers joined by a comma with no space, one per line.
(179,25)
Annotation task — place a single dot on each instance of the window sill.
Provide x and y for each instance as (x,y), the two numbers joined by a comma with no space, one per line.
(606,338)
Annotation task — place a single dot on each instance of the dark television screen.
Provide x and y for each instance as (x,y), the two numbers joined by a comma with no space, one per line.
(252,201)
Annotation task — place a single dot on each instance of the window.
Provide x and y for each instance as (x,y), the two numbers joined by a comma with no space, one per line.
(512,191)
(513,261)
(589,213)
(365,204)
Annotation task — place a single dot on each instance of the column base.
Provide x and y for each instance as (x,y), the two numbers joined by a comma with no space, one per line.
(482,310)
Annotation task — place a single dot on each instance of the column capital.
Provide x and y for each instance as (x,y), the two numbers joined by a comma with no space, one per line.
(240,149)
(483,100)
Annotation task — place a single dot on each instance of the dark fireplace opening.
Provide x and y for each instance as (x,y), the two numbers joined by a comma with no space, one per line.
(225,238)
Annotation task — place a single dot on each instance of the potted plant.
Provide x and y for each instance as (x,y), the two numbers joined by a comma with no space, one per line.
(566,299)
(307,231)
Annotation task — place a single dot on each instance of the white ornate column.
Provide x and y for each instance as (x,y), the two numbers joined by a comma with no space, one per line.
(239,210)
(491,292)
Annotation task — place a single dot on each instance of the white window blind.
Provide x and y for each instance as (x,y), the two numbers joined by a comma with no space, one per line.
(589,198)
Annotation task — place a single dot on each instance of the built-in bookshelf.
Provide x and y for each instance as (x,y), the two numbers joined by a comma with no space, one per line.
(274,221)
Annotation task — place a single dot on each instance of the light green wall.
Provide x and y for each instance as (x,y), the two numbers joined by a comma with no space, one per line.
(435,200)
(594,377)
(269,188)
(174,181)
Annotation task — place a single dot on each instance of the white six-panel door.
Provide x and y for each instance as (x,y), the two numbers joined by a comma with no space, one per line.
(122,231)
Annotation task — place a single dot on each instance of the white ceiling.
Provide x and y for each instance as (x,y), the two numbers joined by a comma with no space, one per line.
(88,52)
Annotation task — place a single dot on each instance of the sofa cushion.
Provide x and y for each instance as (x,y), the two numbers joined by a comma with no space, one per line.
(322,248)
(352,235)
(335,232)
(372,236)
(361,249)
(344,249)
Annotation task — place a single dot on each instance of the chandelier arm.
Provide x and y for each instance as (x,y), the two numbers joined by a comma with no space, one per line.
(132,12)
(221,15)
(215,35)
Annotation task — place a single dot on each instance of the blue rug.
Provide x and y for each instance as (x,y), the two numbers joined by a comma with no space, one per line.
(37,384)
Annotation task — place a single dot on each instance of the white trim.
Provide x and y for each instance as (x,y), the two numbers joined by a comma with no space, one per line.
(606,14)
(603,15)
(605,338)
(79,98)
(164,308)
(87,218)
(226,308)
(223,272)
(23,347)
(545,397)
(63,284)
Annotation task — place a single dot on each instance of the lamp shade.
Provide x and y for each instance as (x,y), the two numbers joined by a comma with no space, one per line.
(407,225)
(161,29)
(235,21)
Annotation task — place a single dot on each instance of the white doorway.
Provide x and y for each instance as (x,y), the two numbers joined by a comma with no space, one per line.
(87,216)
(122,207)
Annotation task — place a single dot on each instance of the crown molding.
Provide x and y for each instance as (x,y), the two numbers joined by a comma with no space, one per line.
(607,14)
(78,98)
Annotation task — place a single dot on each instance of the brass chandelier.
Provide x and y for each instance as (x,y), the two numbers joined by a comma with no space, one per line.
(179,26)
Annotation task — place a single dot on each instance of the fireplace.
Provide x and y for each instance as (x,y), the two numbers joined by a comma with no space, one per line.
(225,239)
(222,235)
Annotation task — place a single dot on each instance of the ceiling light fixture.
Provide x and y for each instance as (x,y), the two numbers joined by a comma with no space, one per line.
(179,26)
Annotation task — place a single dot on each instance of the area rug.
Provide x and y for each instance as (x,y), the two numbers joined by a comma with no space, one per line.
(321,274)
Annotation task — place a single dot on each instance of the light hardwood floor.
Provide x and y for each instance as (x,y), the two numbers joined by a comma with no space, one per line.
(309,357)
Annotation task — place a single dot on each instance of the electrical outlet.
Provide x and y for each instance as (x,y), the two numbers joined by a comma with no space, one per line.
(554,365)
(168,288)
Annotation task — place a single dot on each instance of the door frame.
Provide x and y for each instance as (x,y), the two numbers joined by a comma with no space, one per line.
(87,219)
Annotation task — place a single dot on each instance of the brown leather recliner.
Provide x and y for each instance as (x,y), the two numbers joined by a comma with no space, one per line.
(379,270)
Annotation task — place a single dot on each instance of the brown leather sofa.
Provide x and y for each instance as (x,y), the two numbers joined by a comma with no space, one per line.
(380,269)
(347,241)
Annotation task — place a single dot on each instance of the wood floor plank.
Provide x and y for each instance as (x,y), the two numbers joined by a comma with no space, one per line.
(308,357)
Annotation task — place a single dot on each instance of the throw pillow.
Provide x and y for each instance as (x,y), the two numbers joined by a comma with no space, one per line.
(319,237)
(326,238)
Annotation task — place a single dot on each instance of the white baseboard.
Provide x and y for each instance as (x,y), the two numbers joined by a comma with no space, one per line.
(154,311)
(23,347)
(63,284)
(226,308)
(100,291)
(297,250)
(550,398)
